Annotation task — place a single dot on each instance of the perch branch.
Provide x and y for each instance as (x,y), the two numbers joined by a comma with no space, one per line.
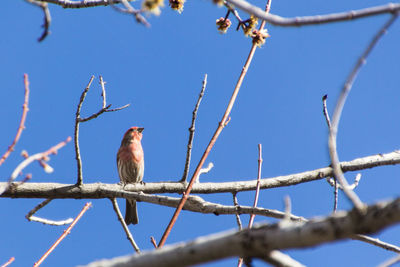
(96,190)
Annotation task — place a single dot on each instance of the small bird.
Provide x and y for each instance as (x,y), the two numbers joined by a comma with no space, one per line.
(130,162)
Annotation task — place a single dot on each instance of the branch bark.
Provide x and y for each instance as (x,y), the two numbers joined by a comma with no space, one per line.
(83,3)
(318,19)
(257,241)
(99,190)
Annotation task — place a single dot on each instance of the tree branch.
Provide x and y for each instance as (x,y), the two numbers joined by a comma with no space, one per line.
(47,17)
(17,171)
(79,119)
(98,191)
(21,126)
(124,226)
(318,19)
(338,111)
(83,3)
(257,241)
(191,131)
(30,216)
(224,120)
(66,232)
(56,190)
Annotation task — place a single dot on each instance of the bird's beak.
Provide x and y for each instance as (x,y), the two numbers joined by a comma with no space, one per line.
(140,130)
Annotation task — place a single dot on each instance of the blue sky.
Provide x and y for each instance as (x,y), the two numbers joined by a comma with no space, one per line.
(159,71)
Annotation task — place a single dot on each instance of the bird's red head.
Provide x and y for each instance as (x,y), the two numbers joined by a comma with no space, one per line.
(133,133)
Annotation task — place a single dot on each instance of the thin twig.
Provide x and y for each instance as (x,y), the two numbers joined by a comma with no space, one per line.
(288,208)
(95,115)
(336,184)
(236,204)
(252,216)
(236,14)
(390,262)
(8,262)
(337,114)
(277,258)
(137,14)
(325,111)
(27,178)
(76,133)
(227,14)
(66,232)
(313,20)
(53,150)
(50,222)
(46,167)
(122,221)
(212,141)
(117,109)
(153,241)
(331,181)
(26,162)
(47,17)
(204,170)
(38,207)
(260,160)
(78,119)
(191,131)
(21,126)
(30,216)
(377,242)
(335,195)
(84,3)
(103,91)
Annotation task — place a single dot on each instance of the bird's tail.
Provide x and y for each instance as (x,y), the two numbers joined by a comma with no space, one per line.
(131,215)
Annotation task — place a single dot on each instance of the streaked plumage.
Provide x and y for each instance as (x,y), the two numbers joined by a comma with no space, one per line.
(130,162)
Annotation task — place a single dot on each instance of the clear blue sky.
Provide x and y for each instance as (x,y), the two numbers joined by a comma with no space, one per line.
(159,71)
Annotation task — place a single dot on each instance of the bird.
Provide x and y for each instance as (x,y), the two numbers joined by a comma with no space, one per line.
(130,162)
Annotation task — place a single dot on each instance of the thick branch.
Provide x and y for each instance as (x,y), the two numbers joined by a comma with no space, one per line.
(257,241)
(97,191)
(56,190)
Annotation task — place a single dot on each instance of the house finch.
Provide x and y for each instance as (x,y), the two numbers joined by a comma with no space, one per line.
(130,161)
